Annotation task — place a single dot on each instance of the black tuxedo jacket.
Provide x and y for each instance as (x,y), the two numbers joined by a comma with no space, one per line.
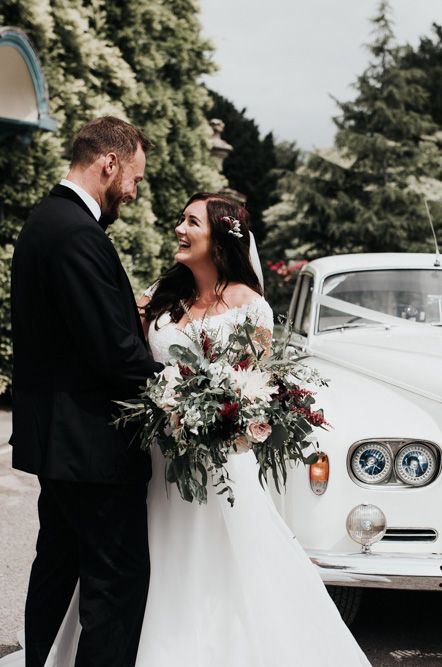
(78,345)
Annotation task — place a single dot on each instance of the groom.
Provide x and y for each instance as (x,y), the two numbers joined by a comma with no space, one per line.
(78,345)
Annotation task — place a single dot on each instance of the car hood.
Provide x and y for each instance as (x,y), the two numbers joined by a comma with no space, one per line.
(409,359)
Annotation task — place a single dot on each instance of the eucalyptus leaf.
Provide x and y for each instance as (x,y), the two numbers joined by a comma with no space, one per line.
(183,354)
(279,435)
(312,458)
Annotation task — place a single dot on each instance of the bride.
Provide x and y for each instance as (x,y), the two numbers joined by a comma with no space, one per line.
(230,587)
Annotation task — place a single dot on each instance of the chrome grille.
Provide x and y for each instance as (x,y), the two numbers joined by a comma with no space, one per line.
(410,535)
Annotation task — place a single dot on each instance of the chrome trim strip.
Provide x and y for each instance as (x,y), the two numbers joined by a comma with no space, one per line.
(410,535)
(376,570)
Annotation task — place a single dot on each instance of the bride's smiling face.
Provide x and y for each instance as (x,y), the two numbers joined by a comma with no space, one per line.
(194,236)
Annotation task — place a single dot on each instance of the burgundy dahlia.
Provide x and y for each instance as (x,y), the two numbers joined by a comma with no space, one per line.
(229,411)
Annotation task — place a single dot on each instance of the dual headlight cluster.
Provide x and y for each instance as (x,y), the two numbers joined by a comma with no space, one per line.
(411,462)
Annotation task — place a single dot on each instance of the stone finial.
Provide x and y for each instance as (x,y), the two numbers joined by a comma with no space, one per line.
(220,148)
(217,126)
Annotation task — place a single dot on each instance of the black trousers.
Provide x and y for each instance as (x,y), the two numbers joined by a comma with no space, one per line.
(96,534)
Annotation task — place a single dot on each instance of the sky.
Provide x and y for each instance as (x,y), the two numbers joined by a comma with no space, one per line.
(283,59)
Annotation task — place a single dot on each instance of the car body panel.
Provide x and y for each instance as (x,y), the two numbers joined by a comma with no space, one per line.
(385,383)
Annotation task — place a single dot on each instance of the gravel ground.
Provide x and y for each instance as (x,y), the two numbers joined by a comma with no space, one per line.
(5,649)
(18,531)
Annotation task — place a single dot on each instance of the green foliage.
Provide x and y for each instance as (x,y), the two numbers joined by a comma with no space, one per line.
(5,319)
(27,172)
(161,43)
(141,62)
(427,58)
(366,194)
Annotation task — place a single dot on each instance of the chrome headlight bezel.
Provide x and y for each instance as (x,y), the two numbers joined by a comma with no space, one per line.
(370,449)
(394,446)
(423,450)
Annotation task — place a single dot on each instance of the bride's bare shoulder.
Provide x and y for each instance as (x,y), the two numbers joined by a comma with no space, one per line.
(237,294)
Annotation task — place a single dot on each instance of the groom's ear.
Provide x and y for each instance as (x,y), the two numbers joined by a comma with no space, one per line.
(110,164)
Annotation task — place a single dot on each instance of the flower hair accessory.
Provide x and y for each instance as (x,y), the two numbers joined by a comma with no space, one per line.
(235,227)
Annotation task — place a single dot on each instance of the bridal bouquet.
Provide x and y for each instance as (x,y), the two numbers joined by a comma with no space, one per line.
(217,398)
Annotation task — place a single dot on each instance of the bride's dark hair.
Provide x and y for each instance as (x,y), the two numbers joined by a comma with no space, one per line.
(230,255)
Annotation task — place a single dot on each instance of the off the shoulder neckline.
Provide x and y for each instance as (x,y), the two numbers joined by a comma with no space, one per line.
(225,312)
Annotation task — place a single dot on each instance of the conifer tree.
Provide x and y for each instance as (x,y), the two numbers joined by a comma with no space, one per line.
(385,131)
(427,58)
(366,194)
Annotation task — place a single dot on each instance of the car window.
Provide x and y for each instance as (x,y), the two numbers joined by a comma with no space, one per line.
(294,301)
(412,294)
(301,305)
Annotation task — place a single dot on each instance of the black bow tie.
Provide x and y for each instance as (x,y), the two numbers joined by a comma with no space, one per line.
(104,221)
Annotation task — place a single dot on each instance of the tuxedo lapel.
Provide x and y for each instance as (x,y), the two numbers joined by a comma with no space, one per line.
(68,193)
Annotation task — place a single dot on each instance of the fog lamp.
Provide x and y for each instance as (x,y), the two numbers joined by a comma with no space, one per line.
(366,524)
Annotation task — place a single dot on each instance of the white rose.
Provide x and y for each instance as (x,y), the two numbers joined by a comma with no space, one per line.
(192,419)
(167,399)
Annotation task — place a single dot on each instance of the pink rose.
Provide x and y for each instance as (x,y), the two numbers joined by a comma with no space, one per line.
(258,431)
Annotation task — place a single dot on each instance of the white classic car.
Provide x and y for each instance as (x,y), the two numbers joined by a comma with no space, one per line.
(369,513)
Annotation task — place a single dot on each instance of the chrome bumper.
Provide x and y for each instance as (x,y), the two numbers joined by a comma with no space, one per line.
(380,570)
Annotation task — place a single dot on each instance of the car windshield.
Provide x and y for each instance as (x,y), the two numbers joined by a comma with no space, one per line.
(411,294)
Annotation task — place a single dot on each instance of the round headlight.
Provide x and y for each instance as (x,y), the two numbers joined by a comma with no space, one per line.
(366,524)
(415,464)
(372,463)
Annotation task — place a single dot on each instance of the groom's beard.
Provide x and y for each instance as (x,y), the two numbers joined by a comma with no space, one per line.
(112,200)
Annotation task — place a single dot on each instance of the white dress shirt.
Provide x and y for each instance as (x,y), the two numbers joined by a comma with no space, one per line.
(90,202)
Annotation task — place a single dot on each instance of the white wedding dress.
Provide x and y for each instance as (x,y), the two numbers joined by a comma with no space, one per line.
(230,587)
